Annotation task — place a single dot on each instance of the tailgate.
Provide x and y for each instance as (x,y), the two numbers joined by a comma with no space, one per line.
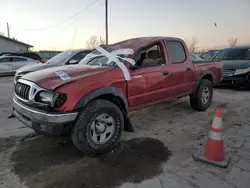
(215,67)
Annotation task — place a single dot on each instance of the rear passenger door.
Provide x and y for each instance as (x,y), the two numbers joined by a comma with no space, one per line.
(5,65)
(182,68)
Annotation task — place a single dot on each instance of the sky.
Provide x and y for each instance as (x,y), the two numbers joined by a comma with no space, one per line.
(187,19)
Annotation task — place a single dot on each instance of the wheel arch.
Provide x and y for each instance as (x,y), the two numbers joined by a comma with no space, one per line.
(208,75)
(109,93)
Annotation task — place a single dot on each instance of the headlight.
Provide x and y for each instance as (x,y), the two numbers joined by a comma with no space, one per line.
(45,97)
(241,71)
(53,99)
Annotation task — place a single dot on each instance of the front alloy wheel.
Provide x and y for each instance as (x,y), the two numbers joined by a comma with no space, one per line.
(102,128)
(98,127)
(205,95)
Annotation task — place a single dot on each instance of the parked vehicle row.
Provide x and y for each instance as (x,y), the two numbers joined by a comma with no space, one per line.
(30,55)
(236,70)
(91,101)
(9,64)
(64,58)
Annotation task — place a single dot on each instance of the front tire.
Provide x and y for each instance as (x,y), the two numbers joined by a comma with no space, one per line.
(202,98)
(98,127)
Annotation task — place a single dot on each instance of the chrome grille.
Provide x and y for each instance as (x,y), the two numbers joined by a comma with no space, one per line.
(22,90)
(228,72)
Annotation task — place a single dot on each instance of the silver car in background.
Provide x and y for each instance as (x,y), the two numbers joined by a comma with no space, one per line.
(68,57)
(9,64)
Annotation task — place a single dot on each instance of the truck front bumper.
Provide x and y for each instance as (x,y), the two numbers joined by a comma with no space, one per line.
(42,122)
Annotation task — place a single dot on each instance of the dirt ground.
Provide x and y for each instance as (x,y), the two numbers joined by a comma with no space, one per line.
(166,135)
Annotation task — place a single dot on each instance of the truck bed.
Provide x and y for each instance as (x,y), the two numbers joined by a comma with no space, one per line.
(215,67)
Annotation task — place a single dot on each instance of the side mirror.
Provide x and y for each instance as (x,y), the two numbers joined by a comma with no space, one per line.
(133,67)
(138,59)
(73,61)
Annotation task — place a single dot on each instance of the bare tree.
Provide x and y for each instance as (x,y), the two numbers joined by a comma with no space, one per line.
(232,41)
(93,41)
(193,45)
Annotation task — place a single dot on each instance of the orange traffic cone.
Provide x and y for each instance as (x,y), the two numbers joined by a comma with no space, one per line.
(214,153)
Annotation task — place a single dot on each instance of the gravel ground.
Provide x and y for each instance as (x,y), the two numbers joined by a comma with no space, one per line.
(158,154)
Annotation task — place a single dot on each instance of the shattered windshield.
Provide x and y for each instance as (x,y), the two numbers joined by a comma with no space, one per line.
(96,58)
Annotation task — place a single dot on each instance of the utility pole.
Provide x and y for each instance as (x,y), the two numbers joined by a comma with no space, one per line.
(106,20)
(8,30)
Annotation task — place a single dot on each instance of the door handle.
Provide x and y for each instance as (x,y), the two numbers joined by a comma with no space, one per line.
(165,73)
(188,68)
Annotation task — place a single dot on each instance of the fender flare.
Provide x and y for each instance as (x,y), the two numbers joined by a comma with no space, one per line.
(202,75)
(108,90)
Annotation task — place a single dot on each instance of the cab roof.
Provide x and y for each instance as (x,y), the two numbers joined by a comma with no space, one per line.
(139,42)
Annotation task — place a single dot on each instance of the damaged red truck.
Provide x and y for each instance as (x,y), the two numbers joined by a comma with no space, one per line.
(91,101)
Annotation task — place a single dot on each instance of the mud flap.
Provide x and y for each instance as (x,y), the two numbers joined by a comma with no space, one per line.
(127,123)
(11,116)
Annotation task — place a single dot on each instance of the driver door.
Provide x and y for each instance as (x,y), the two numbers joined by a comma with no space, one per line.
(150,83)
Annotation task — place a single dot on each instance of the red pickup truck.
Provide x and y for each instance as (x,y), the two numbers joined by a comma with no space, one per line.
(91,100)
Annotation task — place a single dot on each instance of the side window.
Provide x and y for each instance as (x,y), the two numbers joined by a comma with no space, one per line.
(5,60)
(192,57)
(15,59)
(22,59)
(206,55)
(220,56)
(79,56)
(176,52)
(151,57)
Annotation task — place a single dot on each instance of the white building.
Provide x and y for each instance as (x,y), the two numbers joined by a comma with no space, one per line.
(12,45)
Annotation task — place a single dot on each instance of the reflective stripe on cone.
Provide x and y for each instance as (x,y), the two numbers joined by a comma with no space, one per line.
(214,149)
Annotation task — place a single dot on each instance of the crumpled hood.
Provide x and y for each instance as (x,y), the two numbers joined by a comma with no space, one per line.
(48,78)
(34,67)
(236,64)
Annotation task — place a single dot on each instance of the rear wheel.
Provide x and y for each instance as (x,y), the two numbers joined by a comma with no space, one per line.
(98,127)
(202,98)
(247,85)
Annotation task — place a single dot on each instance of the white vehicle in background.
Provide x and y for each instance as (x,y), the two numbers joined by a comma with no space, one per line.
(195,57)
(9,64)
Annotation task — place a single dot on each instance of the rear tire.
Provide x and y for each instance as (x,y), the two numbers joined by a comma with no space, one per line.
(202,98)
(98,127)
(247,85)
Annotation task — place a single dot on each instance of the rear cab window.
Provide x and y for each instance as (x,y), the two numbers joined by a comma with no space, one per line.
(176,52)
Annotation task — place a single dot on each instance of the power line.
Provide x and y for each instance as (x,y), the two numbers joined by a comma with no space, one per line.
(51,26)
(106,21)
